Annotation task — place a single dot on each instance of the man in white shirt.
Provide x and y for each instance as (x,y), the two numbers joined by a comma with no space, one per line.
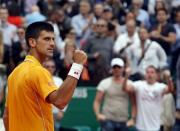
(9,30)
(127,39)
(149,96)
(145,53)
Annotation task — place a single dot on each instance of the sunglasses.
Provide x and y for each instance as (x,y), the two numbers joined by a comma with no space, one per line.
(100,25)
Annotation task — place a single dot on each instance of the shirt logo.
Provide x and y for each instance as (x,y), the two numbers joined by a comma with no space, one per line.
(76,73)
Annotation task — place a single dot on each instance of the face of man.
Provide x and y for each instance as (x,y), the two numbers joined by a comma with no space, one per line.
(161,16)
(84,8)
(143,34)
(151,75)
(98,10)
(44,44)
(178,17)
(131,27)
(50,66)
(101,26)
(3,15)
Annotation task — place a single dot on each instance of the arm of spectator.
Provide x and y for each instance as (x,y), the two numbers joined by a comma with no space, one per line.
(117,45)
(171,38)
(63,95)
(170,86)
(127,87)
(6,119)
(97,104)
(132,121)
(162,56)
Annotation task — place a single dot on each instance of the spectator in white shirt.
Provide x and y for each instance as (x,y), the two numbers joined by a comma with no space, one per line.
(145,53)
(149,97)
(127,39)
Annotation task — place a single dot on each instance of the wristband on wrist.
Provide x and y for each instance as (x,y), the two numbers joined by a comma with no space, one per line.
(76,70)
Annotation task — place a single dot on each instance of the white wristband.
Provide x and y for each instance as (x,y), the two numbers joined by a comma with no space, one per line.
(75,70)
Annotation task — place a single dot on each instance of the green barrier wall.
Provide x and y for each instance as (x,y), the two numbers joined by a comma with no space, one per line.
(80,113)
(80,110)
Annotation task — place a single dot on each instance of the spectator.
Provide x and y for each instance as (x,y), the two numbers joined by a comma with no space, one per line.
(83,21)
(114,114)
(176,47)
(34,16)
(145,53)
(149,96)
(141,15)
(158,4)
(98,10)
(163,32)
(19,48)
(66,62)
(99,50)
(9,30)
(127,39)
(107,13)
(64,23)
(58,114)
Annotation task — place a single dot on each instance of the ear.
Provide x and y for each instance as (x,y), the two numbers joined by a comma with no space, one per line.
(32,42)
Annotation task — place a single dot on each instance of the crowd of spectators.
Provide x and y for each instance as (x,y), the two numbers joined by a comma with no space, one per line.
(141,32)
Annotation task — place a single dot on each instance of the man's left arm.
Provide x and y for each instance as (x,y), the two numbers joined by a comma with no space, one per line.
(170,85)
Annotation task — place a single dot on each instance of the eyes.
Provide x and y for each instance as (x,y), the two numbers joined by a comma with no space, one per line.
(49,39)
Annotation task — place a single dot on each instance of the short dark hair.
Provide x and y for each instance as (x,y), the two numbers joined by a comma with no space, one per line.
(162,9)
(153,67)
(34,30)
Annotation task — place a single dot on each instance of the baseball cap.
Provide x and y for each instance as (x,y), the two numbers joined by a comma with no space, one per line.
(117,61)
(107,8)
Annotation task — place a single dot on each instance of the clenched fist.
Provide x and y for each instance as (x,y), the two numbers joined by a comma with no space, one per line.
(79,57)
(167,74)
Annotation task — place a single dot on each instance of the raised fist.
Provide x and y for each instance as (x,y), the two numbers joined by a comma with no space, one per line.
(166,73)
(79,57)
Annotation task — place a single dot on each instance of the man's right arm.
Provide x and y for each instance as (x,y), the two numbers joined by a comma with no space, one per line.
(126,87)
(63,95)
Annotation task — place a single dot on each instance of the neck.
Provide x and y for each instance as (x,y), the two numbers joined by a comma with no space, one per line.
(163,23)
(151,82)
(130,34)
(38,57)
(118,78)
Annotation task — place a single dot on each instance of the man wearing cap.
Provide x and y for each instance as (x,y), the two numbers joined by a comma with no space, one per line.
(114,114)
